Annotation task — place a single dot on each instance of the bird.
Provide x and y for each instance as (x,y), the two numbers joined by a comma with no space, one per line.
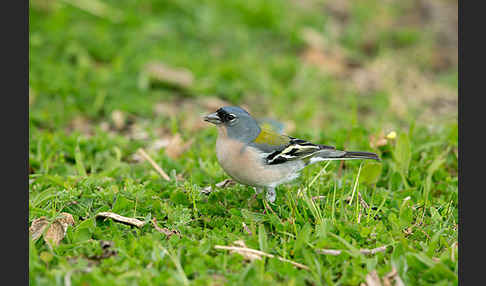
(260,157)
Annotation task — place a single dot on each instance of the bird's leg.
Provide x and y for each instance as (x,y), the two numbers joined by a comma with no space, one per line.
(271,194)
(258,190)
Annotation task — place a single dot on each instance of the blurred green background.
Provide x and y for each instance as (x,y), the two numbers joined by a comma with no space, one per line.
(109,77)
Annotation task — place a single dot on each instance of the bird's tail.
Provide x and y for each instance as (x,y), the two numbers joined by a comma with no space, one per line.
(360,155)
(332,154)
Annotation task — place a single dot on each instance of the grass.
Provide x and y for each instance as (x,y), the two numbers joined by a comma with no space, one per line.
(87,65)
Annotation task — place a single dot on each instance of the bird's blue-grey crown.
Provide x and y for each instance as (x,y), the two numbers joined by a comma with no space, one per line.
(238,123)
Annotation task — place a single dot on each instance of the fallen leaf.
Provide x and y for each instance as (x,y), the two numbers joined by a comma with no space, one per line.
(159,71)
(58,229)
(121,219)
(66,219)
(37,227)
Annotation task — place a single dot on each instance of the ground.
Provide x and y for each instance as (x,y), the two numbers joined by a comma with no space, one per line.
(107,79)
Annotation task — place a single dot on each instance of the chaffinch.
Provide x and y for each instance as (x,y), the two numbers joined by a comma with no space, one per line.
(260,157)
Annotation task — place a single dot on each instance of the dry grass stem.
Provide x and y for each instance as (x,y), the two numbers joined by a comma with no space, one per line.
(365,251)
(372,251)
(260,253)
(152,162)
(333,252)
(165,231)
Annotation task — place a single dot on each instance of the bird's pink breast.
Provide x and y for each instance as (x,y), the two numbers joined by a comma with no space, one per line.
(244,164)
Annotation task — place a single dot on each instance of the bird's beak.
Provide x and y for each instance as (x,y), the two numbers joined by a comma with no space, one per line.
(212,118)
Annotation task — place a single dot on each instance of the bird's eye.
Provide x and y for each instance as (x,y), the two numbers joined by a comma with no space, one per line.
(231,117)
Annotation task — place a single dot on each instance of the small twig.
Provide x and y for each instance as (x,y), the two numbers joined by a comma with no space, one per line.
(261,253)
(364,251)
(373,251)
(165,231)
(333,252)
(122,219)
(152,162)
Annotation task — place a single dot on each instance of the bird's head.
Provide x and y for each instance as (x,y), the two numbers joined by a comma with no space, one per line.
(236,122)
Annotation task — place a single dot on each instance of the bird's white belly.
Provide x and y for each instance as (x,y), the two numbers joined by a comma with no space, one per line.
(244,164)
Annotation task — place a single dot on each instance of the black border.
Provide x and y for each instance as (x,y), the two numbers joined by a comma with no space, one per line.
(15,140)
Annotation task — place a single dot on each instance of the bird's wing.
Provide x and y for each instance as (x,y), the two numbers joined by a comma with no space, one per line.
(296,149)
(280,148)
